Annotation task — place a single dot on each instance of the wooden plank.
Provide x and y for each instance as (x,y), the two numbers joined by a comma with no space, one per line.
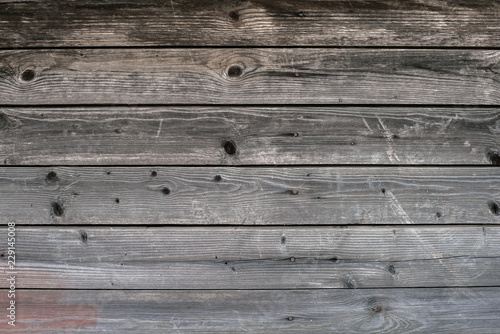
(249,23)
(249,76)
(249,196)
(255,257)
(262,135)
(448,310)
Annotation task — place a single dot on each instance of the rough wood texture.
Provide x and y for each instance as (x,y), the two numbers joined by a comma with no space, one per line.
(249,196)
(249,76)
(249,23)
(255,257)
(449,311)
(262,135)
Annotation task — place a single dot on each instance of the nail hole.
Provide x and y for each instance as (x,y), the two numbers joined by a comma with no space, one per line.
(295,134)
(154,173)
(230,147)
(165,191)
(83,236)
(234,71)
(334,259)
(495,158)
(283,240)
(225,263)
(395,137)
(353,143)
(2,255)
(234,15)
(301,14)
(28,75)
(117,200)
(57,209)
(383,191)
(294,192)
(494,208)
(217,178)
(292,259)
(290,318)
(438,214)
(51,176)
(108,172)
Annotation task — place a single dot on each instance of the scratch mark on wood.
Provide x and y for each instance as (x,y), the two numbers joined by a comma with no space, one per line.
(159,128)
(389,138)
(397,208)
(367,126)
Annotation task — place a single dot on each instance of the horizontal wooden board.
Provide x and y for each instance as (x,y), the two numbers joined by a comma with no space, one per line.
(449,310)
(249,76)
(257,22)
(262,135)
(250,196)
(254,257)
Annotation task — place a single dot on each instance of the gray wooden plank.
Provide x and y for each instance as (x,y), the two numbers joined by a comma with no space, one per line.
(449,310)
(255,257)
(249,76)
(262,135)
(250,195)
(250,23)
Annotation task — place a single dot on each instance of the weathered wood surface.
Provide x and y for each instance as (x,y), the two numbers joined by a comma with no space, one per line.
(255,257)
(448,310)
(262,135)
(250,196)
(249,23)
(249,76)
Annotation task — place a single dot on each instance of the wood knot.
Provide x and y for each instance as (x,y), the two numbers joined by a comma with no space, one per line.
(57,209)
(494,207)
(234,71)
(230,147)
(494,158)
(217,178)
(234,15)
(51,176)
(83,236)
(28,75)
(377,309)
(165,191)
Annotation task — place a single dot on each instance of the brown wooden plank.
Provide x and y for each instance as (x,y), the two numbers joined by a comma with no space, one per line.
(249,23)
(449,310)
(255,257)
(249,196)
(262,135)
(249,76)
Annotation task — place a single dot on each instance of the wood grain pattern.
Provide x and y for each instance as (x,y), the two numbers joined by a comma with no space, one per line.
(448,310)
(249,196)
(249,76)
(262,135)
(249,23)
(255,257)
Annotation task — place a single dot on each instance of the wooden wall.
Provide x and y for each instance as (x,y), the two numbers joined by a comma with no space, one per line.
(259,166)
